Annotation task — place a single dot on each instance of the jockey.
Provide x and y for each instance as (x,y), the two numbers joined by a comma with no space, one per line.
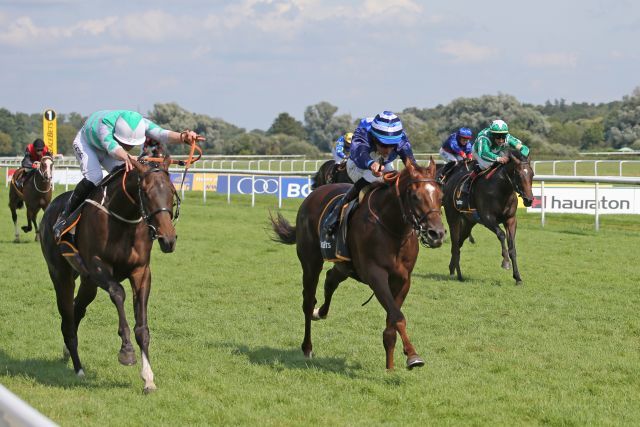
(373,151)
(104,142)
(492,142)
(341,148)
(490,146)
(31,161)
(456,147)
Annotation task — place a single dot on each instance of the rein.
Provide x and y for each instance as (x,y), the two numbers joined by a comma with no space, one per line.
(144,214)
(35,182)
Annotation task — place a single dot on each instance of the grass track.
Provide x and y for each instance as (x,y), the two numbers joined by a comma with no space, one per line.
(226,327)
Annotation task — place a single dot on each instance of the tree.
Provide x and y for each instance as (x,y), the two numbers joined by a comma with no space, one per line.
(623,124)
(287,125)
(323,127)
(6,145)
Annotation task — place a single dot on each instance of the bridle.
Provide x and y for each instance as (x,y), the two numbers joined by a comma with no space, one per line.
(410,215)
(148,216)
(516,184)
(42,174)
(174,211)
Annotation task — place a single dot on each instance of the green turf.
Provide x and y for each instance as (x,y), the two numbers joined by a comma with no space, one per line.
(226,328)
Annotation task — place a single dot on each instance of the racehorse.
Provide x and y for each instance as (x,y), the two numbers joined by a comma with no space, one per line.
(383,241)
(495,197)
(331,172)
(113,236)
(35,194)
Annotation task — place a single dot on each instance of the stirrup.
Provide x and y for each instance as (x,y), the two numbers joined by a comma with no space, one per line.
(58,227)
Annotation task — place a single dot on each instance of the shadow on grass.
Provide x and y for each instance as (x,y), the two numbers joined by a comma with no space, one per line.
(280,359)
(56,373)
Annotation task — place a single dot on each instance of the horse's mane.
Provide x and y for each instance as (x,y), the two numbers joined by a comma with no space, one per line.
(517,154)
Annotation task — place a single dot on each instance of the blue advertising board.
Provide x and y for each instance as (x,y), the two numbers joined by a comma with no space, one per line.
(292,187)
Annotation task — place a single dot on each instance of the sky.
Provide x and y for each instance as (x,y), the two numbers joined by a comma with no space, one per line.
(246,61)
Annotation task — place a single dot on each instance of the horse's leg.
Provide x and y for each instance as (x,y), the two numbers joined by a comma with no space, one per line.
(64,285)
(86,294)
(102,274)
(333,279)
(413,360)
(141,284)
(492,225)
(378,279)
(511,225)
(311,268)
(460,230)
(35,225)
(14,217)
(30,214)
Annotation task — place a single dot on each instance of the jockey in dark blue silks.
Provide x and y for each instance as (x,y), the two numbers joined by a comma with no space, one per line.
(373,150)
(456,147)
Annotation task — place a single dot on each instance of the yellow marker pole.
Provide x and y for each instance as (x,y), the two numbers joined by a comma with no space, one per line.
(50,130)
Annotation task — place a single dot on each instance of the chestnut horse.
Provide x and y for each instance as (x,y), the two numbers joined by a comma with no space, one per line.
(35,194)
(114,235)
(331,172)
(495,197)
(383,241)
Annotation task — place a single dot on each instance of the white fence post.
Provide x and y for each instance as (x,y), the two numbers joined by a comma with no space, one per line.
(597,210)
(542,202)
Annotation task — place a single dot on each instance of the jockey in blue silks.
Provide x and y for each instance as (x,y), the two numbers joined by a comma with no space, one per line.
(373,150)
(456,147)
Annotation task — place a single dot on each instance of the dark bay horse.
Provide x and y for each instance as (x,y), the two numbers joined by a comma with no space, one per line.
(495,197)
(114,236)
(331,172)
(35,194)
(383,241)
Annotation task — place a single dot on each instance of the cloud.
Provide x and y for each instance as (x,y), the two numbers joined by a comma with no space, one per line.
(552,59)
(466,51)
(24,32)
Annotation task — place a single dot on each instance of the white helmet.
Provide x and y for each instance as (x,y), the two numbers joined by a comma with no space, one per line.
(130,128)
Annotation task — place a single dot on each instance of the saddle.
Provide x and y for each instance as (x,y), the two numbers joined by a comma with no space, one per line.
(462,200)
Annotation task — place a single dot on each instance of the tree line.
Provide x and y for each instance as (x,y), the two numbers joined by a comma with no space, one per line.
(555,129)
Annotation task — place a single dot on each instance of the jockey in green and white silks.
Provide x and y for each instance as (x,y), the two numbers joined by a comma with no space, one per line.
(492,142)
(104,142)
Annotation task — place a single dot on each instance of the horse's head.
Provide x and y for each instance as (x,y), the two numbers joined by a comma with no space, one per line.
(423,199)
(521,175)
(157,199)
(45,169)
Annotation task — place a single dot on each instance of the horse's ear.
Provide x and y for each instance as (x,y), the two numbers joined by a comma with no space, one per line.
(432,166)
(408,164)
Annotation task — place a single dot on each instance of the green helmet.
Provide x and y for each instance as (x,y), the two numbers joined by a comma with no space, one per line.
(499,126)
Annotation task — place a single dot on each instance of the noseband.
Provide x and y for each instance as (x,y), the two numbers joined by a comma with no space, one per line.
(515,184)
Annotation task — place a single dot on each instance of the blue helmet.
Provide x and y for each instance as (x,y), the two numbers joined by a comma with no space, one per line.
(365,123)
(465,133)
(387,127)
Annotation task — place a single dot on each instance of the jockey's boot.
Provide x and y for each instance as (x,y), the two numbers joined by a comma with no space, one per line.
(78,196)
(446,170)
(348,197)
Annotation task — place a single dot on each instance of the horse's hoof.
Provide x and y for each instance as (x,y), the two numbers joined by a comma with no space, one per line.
(149,389)
(16,240)
(25,229)
(506,265)
(316,315)
(127,358)
(308,355)
(80,373)
(414,362)
(518,282)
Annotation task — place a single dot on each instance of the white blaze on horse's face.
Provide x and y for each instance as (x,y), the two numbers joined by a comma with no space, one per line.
(47,166)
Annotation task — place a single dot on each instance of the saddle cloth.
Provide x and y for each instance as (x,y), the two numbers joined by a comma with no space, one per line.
(333,247)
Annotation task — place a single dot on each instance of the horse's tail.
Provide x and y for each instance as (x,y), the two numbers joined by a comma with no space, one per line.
(285,232)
